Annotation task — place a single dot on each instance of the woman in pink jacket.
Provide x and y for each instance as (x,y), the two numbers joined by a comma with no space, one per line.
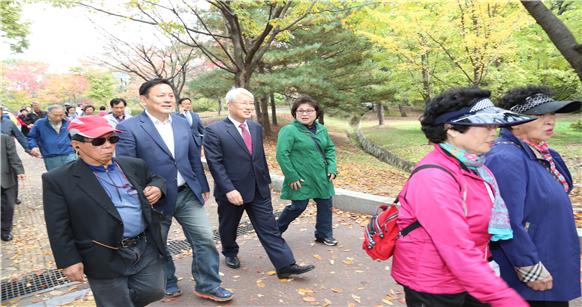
(444,262)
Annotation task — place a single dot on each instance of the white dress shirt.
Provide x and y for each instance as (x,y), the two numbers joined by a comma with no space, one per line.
(237,125)
(165,130)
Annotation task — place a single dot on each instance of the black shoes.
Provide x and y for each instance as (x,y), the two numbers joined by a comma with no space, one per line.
(327,241)
(294,269)
(18,201)
(232,262)
(6,237)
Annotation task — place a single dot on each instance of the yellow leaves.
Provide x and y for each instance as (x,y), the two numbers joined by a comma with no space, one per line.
(309,299)
(336,290)
(303,291)
(318,257)
(348,261)
(260,283)
(271,273)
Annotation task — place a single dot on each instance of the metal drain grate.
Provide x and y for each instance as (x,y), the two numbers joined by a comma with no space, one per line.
(34,282)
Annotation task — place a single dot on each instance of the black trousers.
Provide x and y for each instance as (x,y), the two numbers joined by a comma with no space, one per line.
(422,299)
(7,213)
(260,212)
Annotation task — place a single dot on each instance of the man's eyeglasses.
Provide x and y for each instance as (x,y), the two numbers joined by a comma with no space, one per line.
(305,111)
(100,141)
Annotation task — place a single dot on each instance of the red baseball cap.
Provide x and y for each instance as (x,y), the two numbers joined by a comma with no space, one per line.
(91,126)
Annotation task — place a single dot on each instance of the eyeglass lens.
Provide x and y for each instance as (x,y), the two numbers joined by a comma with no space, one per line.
(100,141)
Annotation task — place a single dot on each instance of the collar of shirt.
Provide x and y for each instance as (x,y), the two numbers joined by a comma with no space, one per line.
(237,124)
(157,121)
(101,168)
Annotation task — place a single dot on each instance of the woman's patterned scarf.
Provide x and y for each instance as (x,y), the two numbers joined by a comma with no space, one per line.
(499,226)
(544,149)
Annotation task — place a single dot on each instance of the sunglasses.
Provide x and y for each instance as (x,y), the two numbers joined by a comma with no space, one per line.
(100,141)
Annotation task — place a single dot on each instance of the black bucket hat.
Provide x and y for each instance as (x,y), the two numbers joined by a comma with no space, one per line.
(483,112)
(539,104)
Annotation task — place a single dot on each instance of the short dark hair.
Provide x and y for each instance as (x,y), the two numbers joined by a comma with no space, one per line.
(450,100)
(116,101)
(518,95)
(71,107)
(305,99)
(102,108)
(183,99)
(145,87)
(87,107)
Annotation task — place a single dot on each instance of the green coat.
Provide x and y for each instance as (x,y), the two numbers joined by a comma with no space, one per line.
(300,158)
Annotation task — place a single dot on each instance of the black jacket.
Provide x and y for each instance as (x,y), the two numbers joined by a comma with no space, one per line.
(78,212)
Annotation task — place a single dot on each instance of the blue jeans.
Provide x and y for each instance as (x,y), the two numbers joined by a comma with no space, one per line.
(58,161)
(194,221)
(323,228)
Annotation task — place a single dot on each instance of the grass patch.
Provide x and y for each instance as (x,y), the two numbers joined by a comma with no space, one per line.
(405,139)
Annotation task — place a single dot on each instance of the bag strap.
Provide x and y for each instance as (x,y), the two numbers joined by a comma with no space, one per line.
(318,147)
(416,224)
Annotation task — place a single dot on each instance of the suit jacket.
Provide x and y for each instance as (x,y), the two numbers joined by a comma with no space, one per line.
(196,127)
(11,163)
(78,212)
(231,164)
(139,138)
(9,128)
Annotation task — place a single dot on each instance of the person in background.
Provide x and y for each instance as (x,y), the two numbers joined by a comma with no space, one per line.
(12,172)
(88,110)
(25,123)
(118,114)
(102,111)
(71,112)
(234,150)
(307,158)
(49,139)
(542,262)
(456,201)
(10,129)
(185,110)
(100,221)
(36,113)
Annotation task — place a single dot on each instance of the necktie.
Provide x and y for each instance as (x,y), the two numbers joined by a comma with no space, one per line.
(188,117)
(246,137)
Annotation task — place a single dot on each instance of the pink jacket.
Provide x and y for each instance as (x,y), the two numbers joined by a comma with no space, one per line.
(448,254)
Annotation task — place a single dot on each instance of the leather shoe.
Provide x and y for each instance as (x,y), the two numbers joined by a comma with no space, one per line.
(294,269)
(232,262)
(18,201)
(6,237)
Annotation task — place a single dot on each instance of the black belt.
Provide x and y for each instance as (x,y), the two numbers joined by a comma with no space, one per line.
(182,187)
(131,242)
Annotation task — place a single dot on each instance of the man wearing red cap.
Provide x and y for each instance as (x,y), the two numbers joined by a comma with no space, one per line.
(100,221)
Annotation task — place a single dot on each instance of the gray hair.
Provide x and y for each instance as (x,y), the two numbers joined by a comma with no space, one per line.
(235,91)
(54,106)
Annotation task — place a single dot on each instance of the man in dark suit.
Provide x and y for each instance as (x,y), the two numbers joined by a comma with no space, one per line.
(234,150)
(100,222)
(164,141)
(185,110)
(12,171)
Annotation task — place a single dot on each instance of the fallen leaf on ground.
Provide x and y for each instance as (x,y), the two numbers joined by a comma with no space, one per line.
(309,299)
(318,257)
(260,283)
(271,273)
(337,290)
(356,298)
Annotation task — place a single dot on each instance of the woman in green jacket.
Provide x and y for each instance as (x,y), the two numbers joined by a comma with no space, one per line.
(306,155)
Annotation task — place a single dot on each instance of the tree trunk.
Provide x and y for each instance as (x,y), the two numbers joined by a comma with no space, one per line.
(219,106)
(402,111)
(558,33)
(273,109)
(380,109)
(265,114)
